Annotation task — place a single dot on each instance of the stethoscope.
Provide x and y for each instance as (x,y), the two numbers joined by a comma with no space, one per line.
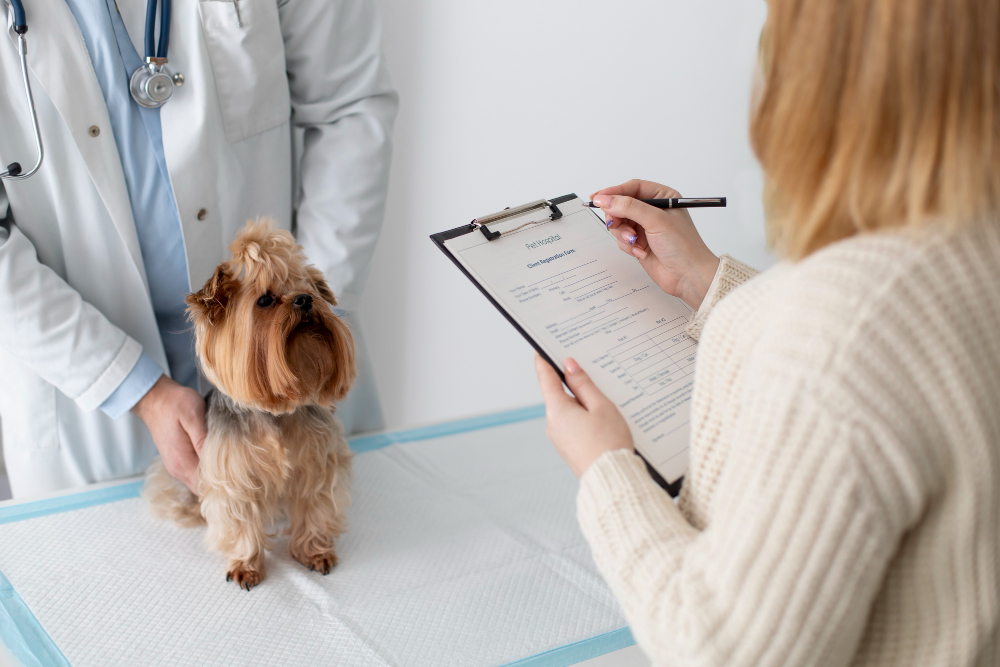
(13,170)
(149,85)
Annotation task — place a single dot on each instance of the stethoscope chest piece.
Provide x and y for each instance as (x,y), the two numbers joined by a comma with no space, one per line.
(150,85)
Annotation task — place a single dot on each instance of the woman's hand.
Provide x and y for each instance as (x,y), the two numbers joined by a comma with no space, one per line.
(584,427)
(175,416)
(665,242)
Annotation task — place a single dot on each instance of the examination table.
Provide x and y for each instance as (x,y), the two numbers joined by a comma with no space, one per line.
(463,549)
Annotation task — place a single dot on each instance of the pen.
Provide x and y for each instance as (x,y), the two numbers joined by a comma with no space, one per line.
(678,202)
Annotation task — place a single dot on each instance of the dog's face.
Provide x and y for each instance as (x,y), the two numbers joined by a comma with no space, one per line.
(265,330)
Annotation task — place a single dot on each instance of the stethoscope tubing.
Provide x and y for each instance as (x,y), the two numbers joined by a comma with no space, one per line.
(20,22)
(161,48)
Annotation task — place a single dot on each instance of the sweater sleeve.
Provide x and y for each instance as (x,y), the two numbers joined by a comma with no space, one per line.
(786,572)
(731,274)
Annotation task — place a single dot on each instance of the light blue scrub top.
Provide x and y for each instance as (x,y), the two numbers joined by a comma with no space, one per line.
(161,240)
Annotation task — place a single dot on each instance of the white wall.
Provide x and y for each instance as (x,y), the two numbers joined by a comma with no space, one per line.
(507,102)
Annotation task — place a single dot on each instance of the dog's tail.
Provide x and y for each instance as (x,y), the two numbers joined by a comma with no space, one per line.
(169,498)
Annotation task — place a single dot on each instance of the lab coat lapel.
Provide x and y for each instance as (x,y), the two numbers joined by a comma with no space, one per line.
(183,123)
(191,124)
(182,120)
(133,13)
(58,58)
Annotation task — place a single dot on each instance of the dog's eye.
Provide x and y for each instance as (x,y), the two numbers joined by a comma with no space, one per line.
(265,301)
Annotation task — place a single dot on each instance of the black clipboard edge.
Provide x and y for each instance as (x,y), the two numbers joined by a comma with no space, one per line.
(439,239)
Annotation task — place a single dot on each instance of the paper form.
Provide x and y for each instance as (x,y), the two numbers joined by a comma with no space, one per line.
(576,294)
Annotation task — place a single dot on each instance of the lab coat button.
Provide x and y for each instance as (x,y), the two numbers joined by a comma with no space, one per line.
(94,130)
(178,79)
(202,213)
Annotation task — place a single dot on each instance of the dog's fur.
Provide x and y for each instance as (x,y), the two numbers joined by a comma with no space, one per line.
(273,443)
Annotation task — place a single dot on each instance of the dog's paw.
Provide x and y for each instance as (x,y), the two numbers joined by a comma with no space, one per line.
(321,562)
(245,575)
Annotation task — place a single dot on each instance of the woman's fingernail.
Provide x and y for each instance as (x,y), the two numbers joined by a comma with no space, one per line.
(638,252)
(608,223)
(602,201)
(628,237)
(572,366)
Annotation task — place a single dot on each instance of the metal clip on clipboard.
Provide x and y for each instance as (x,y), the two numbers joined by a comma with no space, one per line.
(508,213)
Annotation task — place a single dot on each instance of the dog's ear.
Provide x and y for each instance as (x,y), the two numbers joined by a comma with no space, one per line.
(316,276)
(211,300)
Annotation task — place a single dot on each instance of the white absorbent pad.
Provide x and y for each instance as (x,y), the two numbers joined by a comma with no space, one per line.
(463,549)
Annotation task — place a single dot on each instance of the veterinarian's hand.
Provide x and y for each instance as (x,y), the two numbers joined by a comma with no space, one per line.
(665,242)
(584,427)
(175,416)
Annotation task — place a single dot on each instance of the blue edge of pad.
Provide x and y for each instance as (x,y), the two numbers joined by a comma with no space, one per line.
(28,641)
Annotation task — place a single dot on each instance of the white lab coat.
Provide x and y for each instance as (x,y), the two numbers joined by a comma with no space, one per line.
(75,310)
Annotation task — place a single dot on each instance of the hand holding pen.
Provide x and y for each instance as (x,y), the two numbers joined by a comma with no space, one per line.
(664,240)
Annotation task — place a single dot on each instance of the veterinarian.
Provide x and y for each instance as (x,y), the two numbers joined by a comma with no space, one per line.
(140,191)
(842,505)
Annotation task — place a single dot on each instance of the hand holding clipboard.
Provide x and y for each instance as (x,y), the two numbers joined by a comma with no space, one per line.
(553,271)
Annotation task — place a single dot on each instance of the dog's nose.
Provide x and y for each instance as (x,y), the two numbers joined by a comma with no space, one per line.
(303,302)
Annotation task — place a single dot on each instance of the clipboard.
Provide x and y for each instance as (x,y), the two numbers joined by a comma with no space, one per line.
(492,228)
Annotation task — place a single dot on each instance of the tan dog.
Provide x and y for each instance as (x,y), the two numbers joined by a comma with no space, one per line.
(279,357)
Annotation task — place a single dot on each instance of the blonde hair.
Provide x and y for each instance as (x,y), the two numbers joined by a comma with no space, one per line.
(876,114)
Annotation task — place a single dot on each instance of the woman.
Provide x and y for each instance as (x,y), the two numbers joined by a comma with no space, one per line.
(842,504)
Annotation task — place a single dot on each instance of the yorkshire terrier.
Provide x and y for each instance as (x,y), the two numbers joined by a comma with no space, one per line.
(268,340)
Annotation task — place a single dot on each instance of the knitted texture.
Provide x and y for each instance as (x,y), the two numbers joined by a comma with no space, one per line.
(842,505)
(731,274)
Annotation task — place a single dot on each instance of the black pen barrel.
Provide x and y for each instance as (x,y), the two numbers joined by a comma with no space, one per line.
(687,202)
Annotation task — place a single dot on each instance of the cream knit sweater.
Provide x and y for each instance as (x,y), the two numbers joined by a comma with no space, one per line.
(843,501)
